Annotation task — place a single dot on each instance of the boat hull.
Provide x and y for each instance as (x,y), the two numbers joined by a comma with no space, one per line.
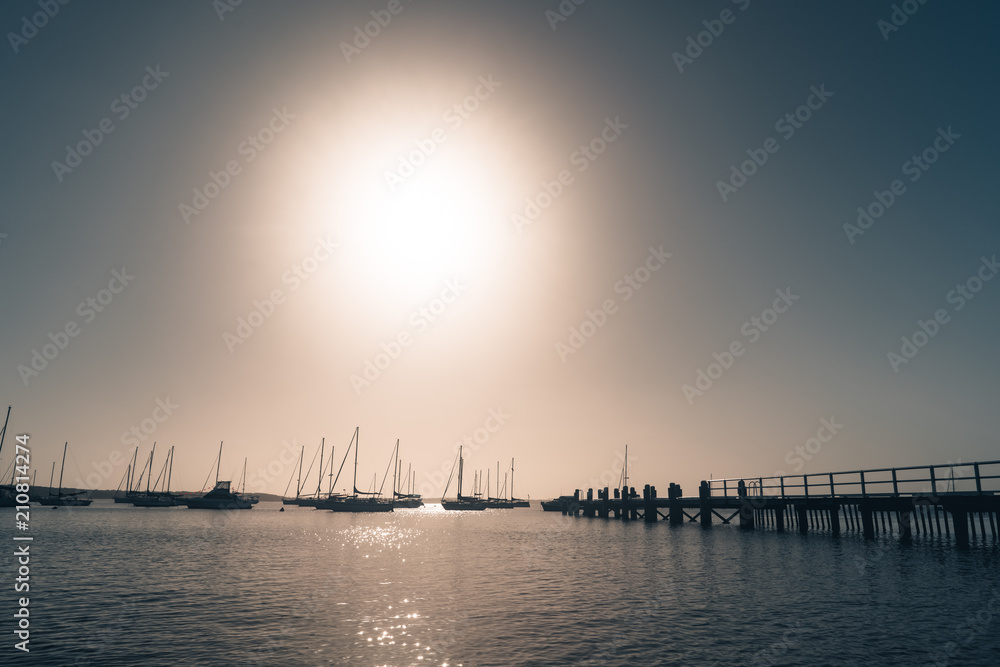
(218,503)
(156,501)
(356,505)
(7,497)
(464,505)
(65,502)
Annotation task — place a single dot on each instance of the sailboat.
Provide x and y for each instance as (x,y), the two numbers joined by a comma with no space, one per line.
(407,500)
(359,501)
(298,484)
(64,499)
(7,492)
(129,495)
(317,498)
(461,502)
(499,502)
(221,497)
(516,502)
(163,498)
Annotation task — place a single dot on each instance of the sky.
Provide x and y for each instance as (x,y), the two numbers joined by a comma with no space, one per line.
(741,238)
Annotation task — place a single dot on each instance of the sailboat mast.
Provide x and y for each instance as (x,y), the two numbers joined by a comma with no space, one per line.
(63,467)
(298,484)
(3,433)
(171,471)
(333,448)
(51,475)
(135,461)
(218,464)
(319,481)
(356,446)
(394,470)
(512,478)
(243,490)
(150,467)
(460,472)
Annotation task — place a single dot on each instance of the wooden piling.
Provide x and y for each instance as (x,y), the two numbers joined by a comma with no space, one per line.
(649,504)
(746,508)
(705,504)
(960,519)
(676,509)
(867,521)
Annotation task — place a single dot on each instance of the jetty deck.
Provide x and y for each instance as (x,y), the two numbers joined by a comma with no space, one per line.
(955,501)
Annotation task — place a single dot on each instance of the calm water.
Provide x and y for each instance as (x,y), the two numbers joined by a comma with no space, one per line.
(116,585)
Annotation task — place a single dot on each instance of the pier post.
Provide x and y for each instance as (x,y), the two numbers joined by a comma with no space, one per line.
(588,508)
(867,520)
(803,518)
(705,503)
(616,508)
(604,503)
(676,511)
(835,517)
(746,509)
(625,504)
(634,508)
(649,511)
(779,518)
(960,519)
(905,518)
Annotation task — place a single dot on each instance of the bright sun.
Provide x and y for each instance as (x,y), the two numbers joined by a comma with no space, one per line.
(427,226)
(439,223)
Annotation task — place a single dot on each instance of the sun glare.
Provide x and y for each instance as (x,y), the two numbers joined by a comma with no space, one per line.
(428,227)
(435,225)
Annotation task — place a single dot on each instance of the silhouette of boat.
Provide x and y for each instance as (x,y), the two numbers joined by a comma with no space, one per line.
(129,494)
(219,498)
(64,499)
(222,497)
(557,504)
(298,485)
(469,503)
(359,501)
(154,498)
(517,502)
(8,494)
(407,500)
(500,502)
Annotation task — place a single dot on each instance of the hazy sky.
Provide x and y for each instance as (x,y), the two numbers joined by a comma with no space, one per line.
(546,233)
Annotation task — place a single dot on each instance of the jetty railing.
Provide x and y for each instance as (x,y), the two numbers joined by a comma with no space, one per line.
(979,478)
(952,498)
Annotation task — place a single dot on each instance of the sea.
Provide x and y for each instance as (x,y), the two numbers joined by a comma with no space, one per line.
(118,585)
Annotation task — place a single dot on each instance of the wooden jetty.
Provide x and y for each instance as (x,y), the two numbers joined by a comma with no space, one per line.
(939,500)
